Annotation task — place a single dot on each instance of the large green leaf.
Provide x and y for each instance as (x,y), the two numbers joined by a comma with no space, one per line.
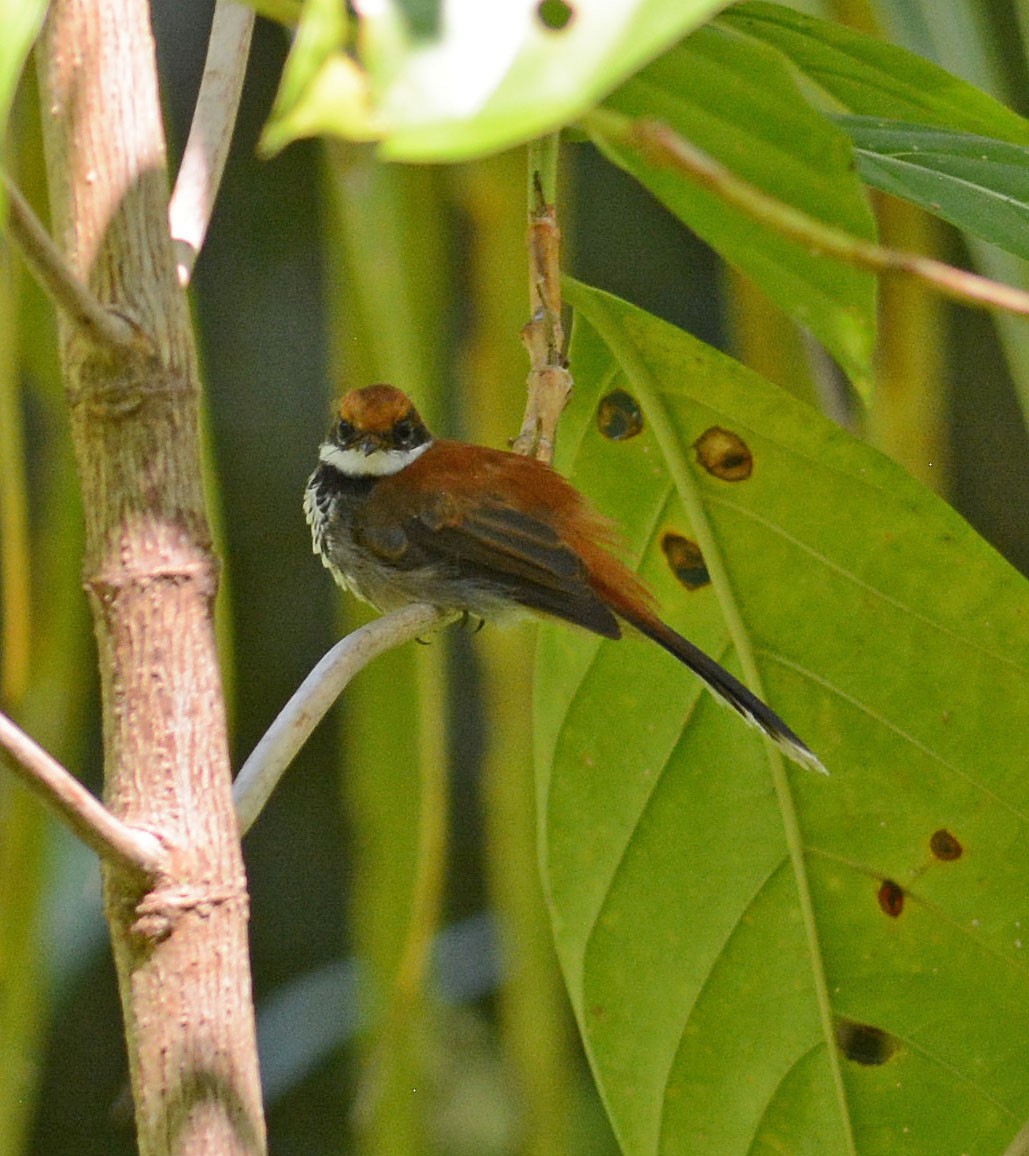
(737,100)
(464,80)
(975,182)
(870,77)
(760,959)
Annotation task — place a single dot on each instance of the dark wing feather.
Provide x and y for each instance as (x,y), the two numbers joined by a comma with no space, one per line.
(520,545)
(499,548)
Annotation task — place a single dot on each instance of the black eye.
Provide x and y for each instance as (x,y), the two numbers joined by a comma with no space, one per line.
(404,431)
(344,430)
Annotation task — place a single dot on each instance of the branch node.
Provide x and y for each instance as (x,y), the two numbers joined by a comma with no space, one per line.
(159,911)
(549,383)
(101,324)
(132,849)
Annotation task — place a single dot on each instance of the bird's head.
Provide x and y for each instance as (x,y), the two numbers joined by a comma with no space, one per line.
(377,431)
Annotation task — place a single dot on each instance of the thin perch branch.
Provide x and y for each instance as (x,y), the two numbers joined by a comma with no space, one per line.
(114,841)
(664,148)
(210,135)
(261,772)
(48,265)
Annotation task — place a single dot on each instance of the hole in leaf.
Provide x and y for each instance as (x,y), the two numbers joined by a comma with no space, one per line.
(619,416)
(686,560)
(944,846)
(554,14)
(865,1044)
(724,454)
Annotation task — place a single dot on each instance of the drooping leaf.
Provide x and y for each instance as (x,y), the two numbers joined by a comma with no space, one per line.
(871,77)
(761,959)
(975,182)
(465,79)
(737,100)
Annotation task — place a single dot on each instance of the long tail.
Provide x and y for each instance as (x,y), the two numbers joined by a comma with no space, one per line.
(728,690)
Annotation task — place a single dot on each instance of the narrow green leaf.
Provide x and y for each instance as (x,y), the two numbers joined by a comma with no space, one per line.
(870,77)
(468,80)
(20,21)
(761,959)
(737,100)
(975,182)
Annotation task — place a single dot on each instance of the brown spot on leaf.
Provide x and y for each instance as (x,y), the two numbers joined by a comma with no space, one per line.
(865,1044)
(619,416)
(686,560)
(944,846)
(891,898)
(724,454)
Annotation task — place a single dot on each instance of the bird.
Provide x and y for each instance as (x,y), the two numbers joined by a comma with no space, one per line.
(399,516)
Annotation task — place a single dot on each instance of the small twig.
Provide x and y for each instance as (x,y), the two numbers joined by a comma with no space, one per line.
(129,847)
(57,278)
(210,134)
(663,147)
(549,383)
(298,718)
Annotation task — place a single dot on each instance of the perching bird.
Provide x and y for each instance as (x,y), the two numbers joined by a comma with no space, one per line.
(399,516)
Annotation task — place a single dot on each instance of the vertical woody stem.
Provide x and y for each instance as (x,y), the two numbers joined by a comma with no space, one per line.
(549,384)
(180,947)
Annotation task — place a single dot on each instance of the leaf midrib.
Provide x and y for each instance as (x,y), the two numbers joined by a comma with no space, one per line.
(625,352)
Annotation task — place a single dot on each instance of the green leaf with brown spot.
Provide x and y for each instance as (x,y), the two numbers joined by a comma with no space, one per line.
(739,982)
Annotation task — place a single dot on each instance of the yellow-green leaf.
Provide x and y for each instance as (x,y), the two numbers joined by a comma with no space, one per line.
(449,82)
(762,959)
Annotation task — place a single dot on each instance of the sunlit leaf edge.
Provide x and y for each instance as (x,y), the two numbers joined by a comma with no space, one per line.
(545,86)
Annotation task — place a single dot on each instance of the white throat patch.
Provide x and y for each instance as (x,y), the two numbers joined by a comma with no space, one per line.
(380,464)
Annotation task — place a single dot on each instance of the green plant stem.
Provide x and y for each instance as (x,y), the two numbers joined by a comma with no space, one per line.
(544,152)
(433,828)
(907,417)
(664,148)
(549,383)
(390,268)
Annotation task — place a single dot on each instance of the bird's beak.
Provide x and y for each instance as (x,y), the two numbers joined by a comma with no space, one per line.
(369,446)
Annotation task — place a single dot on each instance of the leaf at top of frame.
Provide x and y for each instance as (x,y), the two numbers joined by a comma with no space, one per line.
(450,81)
